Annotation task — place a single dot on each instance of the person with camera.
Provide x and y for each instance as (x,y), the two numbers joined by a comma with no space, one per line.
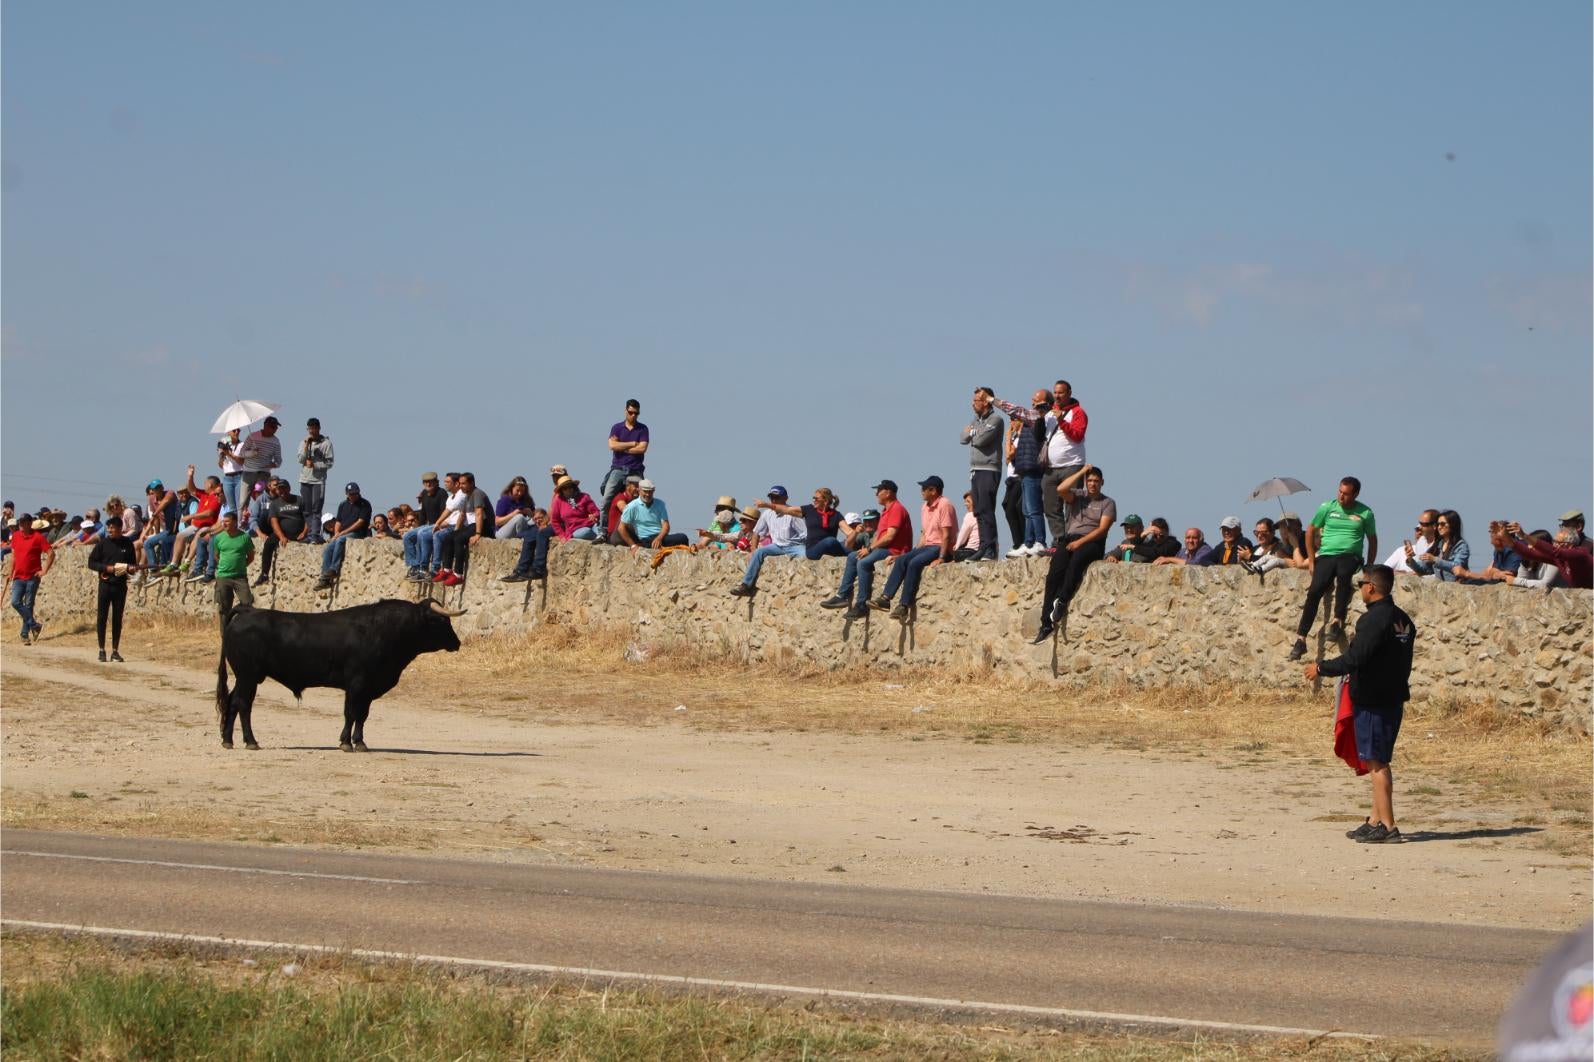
(229,458)
(113,558)
(1574,563)
(983,437)
(1030,449)
(315,460)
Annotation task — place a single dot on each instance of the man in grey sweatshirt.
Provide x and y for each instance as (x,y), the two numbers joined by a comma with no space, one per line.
(983,437)
(315,458)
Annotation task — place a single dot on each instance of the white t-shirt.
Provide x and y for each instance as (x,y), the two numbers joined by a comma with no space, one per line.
(1061,451)
(1397,559)
(454,508)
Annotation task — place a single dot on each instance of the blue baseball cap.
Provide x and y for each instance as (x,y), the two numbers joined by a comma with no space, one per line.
(777,490)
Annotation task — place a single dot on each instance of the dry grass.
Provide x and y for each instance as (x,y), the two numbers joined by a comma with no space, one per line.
(563,673)
(108,998)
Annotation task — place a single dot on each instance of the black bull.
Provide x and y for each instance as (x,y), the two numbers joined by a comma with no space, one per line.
(362,651)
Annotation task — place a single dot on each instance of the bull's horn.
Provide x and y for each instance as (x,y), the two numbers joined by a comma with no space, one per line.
(441,611)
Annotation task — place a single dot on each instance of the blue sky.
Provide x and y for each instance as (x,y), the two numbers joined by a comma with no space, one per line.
(1259,239)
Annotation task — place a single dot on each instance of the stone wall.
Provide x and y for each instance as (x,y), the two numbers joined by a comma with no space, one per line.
(1526,651)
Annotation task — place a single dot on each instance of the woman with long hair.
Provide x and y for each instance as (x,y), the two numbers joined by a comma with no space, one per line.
(1449,551)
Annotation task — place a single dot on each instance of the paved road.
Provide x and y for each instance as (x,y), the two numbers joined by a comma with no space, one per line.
(1050,959)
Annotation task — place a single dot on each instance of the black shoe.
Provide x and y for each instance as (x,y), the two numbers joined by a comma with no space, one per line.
(857,612)
(516,577)
(1381,834)
(880,604)
(38,629)
(1361,831)
(1044,634)
(323,583)
(116,658)
(1059,613)
(900,612)
(539,574)
(834,602)
(1299,649)
(743,590)
(102,656)
(1336,630)
(263,580)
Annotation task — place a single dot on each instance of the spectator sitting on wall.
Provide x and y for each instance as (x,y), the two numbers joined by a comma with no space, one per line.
(967,546)
(1572,521)
(381,528)
(722,531)
(1267,552)
(1088,516)
(1134,532)
(1448,553)
(1195,549)
(573,514)
(284,521)
(90,529)
(629,492)
(132,519)
(1426,531)
(863,527)
(1535,575)
(1574,563)
(512,513)
(788,537)
(534,545)
(937,533)
(1233,548)
(821,524)
(1293,535)
(353,520)
(1503,560)
(420,539)
(747,538)
(645,521)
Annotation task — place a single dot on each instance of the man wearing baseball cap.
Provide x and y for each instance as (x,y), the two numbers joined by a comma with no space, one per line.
(353,521)
(788,537)
(938,528)
(892,537)
(261,453)
(31,559)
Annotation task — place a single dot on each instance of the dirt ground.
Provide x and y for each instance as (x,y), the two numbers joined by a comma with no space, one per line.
(684,770)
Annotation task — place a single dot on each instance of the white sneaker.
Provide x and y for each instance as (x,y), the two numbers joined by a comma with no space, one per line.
(1037,550)
(1017,551)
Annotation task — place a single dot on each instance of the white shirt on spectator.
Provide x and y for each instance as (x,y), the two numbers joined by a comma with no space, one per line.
(1397,559)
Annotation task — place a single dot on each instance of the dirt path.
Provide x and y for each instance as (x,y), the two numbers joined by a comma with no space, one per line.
(132,749)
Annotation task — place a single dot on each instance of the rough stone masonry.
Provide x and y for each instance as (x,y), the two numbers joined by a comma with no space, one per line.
(1524,650)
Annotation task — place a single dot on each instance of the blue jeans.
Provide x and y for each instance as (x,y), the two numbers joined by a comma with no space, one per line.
(613,483)
(203,555)
(418,547)
(750,578)
(439,541)
(585,534)
(229,490)
(312,496)
(534,550)
(159,548)
(1034,510)
(332,555)
(906,571)
(826,547)
(861,571)
(23,591)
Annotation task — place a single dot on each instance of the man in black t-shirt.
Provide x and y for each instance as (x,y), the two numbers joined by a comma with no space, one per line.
(284,523)
(353,521)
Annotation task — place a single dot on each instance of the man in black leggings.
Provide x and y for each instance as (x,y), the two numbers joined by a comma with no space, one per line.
(113,557)
(1334,545)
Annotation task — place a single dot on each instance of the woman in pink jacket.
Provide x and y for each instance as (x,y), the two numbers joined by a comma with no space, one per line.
(573,513)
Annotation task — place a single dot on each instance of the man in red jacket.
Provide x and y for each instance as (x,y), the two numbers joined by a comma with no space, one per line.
(1575,564)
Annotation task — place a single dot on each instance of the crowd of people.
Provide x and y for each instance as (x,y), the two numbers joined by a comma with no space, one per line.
(1051,497)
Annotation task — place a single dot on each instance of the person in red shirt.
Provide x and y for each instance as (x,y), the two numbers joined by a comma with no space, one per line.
(937,535)
(1574,563)
(195,524)
(617,506)
(31,558)
(891,540)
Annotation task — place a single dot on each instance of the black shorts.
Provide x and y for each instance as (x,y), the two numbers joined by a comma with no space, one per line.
(1376,732)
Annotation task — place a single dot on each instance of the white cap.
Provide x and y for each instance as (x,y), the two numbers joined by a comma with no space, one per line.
(646,484)
(852,518)
(1230,522)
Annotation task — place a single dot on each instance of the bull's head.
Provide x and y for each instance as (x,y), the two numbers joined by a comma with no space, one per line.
(437,628)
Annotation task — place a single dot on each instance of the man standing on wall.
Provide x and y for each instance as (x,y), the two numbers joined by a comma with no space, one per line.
(1334,545)
(628,447)
(261,453)
(983,437)
(1063,451)
(315,459)
(1379,666)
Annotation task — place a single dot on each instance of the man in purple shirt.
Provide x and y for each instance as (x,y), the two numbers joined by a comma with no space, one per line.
(628,445)
(1195,549)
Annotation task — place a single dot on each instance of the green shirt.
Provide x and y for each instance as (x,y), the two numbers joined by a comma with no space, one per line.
(1344,529)
(232,554)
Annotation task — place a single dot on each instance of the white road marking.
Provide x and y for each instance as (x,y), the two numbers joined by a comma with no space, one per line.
(209,866)
(694,982)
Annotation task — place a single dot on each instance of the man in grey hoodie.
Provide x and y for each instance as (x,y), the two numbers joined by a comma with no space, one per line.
(983,437)
(315,458)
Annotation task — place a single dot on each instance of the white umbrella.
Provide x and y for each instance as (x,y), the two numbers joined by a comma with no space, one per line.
(241,414)
(1277,487)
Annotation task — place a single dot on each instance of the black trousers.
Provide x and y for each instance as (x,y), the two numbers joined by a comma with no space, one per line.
(1013,508)
(112,603)
(1066,571)
(982,484)
(456,551)
(1338,569)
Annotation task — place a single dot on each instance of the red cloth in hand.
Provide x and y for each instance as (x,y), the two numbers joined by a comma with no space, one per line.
(1345,729)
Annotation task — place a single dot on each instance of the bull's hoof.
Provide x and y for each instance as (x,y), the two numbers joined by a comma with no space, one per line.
(226,744)
(345,746)
(359,746)
(252,746)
